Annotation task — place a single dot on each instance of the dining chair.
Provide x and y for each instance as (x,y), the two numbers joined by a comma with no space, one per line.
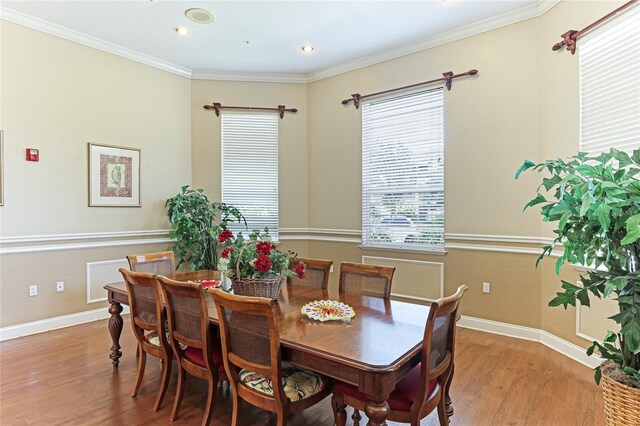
(368,280)
(423,388)
(148,319)
(252,359)
(197,351)
(161,263)
(317,272)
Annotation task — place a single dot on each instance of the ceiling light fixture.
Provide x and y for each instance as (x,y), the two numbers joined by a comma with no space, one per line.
(307,48)
(199,16)
(181,30)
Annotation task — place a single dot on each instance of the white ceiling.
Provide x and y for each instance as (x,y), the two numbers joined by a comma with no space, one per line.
(342,32)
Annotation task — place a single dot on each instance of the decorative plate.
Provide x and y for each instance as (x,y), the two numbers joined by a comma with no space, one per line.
(208,283)
(328,310)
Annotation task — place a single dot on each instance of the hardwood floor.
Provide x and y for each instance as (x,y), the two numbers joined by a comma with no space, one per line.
(64,377)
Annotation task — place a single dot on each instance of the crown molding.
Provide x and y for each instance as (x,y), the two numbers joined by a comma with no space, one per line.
(261,77)
(87,40)
(476,28)
(518,15)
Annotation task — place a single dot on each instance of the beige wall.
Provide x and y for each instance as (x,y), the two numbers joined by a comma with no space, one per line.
(523,104)
(57,95)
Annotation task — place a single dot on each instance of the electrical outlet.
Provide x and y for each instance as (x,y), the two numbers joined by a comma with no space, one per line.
(486,287)
(33,290)
(60,286)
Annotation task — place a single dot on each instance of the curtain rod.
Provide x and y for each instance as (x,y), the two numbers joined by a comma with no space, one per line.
(217,106)
(569,38)
(447,79)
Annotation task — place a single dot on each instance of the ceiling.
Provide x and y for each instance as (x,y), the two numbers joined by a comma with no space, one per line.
(345,34)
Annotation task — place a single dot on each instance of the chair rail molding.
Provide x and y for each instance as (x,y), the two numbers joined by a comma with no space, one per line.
(470,241)
(31,243)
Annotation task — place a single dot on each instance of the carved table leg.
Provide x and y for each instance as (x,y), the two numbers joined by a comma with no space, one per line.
(447,400)
(115,329)
(377,412)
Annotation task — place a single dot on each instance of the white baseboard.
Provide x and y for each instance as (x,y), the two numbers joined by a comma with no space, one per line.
(54,323)
(568,349)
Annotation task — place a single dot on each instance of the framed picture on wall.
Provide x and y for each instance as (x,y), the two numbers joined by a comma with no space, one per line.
(114,176)
(1,168)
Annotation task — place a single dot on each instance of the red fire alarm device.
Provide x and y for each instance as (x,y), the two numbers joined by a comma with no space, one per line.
(33,154)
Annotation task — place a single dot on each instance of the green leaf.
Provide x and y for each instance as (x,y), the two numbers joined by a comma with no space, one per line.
(610,337)
(525,166)
(583,297)
(598,375)
(633,230)
(622,157)
(587,201)
(631,333)
(559,264)
(602,213)
(539,199)
(563,220)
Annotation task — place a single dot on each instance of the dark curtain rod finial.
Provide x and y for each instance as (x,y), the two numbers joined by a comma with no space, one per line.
(570,37)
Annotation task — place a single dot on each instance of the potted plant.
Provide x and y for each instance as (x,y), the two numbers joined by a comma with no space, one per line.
(595,201)
(255,265)
(196,225)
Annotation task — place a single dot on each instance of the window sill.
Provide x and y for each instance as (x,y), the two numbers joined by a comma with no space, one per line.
(430,252)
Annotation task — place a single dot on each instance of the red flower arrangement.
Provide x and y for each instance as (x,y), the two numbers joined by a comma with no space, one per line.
(301,270)
(225,236)
(226,252)
(255,257)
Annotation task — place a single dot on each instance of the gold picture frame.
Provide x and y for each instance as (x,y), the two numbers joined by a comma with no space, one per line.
(114,176)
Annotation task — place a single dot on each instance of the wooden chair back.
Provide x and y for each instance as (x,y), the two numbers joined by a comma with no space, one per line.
(317,272)
(250,338)
(368,280)
(188,316)
(147,312)
(438,346)
(160,263)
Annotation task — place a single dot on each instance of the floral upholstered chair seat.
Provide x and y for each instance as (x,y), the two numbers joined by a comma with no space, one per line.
(152,337)
(298,384)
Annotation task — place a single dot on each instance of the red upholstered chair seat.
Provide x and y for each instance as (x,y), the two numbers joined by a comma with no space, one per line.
(400,399)
(195,355)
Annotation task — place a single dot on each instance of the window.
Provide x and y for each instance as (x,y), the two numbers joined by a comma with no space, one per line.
(403,172)
(610,86)
(250,168)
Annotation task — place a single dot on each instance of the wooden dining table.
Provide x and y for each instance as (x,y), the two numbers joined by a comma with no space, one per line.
(373,351)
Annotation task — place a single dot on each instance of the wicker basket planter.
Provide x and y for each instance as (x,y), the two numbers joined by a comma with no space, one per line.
(621,403)
(258,287)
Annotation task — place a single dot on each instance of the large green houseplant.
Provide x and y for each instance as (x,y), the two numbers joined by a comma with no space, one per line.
(197,224)
(595,201)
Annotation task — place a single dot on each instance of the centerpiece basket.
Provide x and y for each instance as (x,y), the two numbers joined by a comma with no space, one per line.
(258,269)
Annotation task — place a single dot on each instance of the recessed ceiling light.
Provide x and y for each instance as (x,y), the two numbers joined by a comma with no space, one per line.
(307,48)
(199,16)
(181,30)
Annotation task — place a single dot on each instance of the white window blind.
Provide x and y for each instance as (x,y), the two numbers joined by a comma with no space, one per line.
(610,86)
(403,172)
(250,168)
